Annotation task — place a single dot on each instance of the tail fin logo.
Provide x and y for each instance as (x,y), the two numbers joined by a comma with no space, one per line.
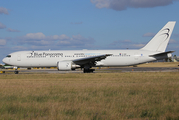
(167,33)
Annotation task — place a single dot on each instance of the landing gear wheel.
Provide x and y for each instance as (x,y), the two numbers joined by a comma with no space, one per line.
(88,70)
(16,72)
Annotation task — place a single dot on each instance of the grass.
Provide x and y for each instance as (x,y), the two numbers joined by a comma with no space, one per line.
(95,96)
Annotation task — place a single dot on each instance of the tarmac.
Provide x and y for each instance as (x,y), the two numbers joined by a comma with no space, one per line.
(147,69)
(102,70)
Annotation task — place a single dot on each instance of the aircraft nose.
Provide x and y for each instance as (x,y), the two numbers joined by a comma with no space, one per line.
(5,60)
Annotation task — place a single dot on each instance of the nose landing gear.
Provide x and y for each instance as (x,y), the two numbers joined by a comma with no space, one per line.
(16,71)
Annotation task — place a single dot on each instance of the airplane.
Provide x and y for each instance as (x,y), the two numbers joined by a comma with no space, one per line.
(66,60)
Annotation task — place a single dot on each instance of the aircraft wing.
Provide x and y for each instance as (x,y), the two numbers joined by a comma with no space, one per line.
(93,59)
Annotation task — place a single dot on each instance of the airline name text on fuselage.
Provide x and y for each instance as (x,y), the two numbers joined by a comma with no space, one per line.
(44,54)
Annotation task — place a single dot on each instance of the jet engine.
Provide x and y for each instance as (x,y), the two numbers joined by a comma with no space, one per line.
(66,65)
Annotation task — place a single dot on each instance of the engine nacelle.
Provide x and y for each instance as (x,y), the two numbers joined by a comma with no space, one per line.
(66,65)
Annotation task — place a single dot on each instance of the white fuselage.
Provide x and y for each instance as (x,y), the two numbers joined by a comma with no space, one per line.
(50,58)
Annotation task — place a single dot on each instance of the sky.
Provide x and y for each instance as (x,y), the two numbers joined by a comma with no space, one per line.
(84,24)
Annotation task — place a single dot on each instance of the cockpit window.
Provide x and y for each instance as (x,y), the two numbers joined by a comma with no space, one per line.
(8,56)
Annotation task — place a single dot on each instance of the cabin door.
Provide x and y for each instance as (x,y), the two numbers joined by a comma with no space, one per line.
(19,57)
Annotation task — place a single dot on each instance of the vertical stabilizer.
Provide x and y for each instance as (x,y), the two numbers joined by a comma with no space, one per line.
(160,41)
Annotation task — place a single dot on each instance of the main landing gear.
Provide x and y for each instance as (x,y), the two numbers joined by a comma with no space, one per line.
(88,70)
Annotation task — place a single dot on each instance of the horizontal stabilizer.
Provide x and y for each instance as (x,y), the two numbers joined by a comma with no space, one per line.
(161,54)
